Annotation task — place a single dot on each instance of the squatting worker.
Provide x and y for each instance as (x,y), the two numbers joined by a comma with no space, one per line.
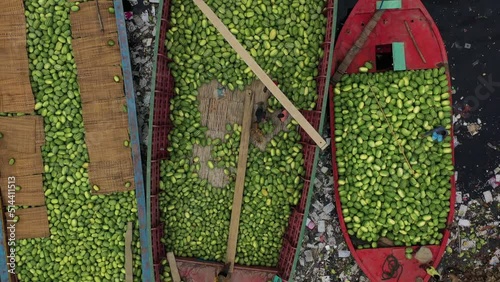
(438,133)
(223,275)
(260,113)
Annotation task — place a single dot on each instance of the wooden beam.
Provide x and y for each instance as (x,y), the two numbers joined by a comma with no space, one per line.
(173,267)
(415,42)
(259,72)
(129,276)
(240,179)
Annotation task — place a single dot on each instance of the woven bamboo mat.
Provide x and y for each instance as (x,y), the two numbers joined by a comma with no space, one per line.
(20,134)
(22,138)
(25,164)
(15,88)
(219,107)
(85,23)
(96,82)
(33,222)
(31,193)
(105,113)
(103,99)
(98,48)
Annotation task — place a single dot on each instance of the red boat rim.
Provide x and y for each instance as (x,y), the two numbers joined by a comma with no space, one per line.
(391,28)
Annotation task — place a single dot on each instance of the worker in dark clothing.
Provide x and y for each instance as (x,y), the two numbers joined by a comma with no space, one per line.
(223,275)
(260,113)
(438,134)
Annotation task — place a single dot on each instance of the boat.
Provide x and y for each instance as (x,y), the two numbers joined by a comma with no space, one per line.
(392,36)
(193,267)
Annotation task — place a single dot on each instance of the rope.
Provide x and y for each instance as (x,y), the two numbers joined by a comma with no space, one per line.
(392,269)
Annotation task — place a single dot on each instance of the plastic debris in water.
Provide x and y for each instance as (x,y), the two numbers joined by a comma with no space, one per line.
(493,182)
(129,15)
(462,210)
(488,197)
(494,261)
(473,128)
(328,208)
(344,253)
(458,197)
(321,226)
(467,244)
(310,224)
(309,256)
(464,222)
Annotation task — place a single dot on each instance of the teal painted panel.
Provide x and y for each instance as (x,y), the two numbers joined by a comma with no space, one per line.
(389,4)
(398,56)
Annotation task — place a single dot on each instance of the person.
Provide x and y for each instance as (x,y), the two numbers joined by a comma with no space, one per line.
(223,275)
(438,134)
(260,113)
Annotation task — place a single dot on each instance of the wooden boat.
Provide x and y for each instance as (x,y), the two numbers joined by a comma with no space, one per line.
(193,268)
(408,23)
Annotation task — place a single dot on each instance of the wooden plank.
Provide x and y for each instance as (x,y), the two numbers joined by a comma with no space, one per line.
(129,276)
(174,271)
(33,223)
(240,179)
(259,72)
(415,42)
(142,193)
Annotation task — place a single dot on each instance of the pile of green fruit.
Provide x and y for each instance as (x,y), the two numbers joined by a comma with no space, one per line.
(393,182)
(285,39)
(165,274)
(266,127)
(197,214)
(87,231)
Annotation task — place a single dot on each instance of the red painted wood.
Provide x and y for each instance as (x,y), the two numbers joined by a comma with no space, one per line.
(391,28)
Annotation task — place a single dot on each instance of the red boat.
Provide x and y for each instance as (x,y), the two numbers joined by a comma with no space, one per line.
(406,34)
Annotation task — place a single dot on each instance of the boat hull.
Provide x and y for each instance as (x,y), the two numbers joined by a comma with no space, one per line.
(391,28)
